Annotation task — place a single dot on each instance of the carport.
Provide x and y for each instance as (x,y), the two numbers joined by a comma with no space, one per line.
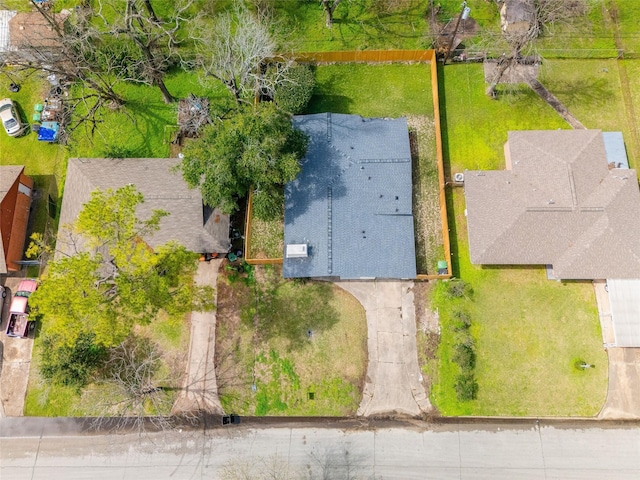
(624,298)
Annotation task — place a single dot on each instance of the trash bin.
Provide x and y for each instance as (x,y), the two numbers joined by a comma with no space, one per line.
(38,107)
(36,117)
(443,268)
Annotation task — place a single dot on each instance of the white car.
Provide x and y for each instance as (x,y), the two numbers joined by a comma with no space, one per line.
(10,119)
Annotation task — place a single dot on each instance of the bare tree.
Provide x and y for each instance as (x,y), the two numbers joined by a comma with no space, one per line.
(137,391)
(329,6)
(236,50)
(154,37)
(545,15)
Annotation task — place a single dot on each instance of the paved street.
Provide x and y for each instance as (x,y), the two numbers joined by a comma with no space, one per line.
(489,451)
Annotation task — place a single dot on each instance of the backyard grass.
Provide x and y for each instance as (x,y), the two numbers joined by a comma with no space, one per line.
(373,90)
(288,347)
(592,91)
(474,127)
(357,25)
(145,127)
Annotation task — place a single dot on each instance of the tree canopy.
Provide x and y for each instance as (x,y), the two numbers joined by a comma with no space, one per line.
(253,147)
(117,280)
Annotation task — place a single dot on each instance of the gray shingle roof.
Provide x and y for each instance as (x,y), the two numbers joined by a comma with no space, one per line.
(351,203)
(559,205)
(163,189)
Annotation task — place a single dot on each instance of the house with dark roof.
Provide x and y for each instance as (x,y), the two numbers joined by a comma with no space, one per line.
(16,191)
(197,227)
(565,200)
(348,214)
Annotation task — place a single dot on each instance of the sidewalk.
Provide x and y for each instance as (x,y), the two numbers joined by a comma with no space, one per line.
(393,383)
(200,389)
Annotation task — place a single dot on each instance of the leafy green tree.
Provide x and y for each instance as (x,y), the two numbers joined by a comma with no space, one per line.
(117,281)
(72,365)
(254,147)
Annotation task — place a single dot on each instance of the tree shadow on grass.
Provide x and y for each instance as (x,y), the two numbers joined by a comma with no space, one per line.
(296,310)
(591,92)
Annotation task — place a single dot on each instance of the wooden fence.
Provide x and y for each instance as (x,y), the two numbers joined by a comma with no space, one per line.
(381,56)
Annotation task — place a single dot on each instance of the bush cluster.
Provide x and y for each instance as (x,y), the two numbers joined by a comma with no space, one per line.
(464,355)
(294,94)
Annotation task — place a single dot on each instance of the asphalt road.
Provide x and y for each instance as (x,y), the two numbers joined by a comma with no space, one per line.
(498,450)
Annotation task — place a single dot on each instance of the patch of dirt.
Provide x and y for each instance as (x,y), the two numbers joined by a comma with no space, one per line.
(426,200)
(428,331)
(427,320)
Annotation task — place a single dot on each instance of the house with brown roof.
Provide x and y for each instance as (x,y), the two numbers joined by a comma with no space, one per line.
(517,16)
(32,35)
(15,201)
(562,201)
(197,227)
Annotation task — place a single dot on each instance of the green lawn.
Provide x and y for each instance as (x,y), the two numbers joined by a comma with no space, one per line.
(474,127)
(373,90)
(528,331)
(146,125)
(358,25)
(267,238)
(267,363)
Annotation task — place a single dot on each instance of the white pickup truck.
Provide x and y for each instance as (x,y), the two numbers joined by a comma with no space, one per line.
(18,325)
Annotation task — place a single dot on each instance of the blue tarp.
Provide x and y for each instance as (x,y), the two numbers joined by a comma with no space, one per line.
(48,132)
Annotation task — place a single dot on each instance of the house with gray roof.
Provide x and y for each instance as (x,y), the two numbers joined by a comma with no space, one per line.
(565,200)
(348,214)
(197,227)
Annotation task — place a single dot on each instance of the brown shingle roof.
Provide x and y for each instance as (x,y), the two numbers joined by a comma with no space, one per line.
(32,29)
(163,189)
(559,205)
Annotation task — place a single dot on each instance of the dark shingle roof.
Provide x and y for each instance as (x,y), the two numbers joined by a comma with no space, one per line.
(163,189)
(351,203)
(559,205)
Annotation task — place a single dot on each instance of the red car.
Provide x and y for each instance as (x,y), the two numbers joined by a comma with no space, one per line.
(19,323)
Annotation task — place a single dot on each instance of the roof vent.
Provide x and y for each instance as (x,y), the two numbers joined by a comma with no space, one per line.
(297,250)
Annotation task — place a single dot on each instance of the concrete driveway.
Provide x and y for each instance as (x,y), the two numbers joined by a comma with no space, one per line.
(394,381)
(15,362)
(623,393)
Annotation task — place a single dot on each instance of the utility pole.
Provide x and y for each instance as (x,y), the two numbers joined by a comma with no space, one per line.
(464,14)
